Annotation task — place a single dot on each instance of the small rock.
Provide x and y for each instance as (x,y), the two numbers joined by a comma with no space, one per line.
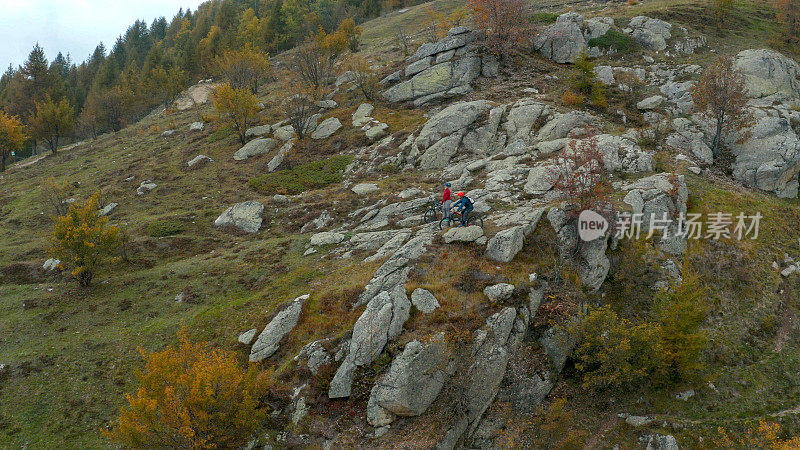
(365,188)
(685,395)
(246,216)
(327,238)
(107,209)
(258,131)
(199,159)
(424,300)
(326,128)
(283,322)
(361,116)
(196,126)
(695,170)
(789,270)
(376,131)
(260,146)
(408,193)
(650,103)
(248,336)
(280,198)
(51,264)
(284,133)
(380,431)
(146,187)
(327,104)
(168,133)
(639,421)
(499,292)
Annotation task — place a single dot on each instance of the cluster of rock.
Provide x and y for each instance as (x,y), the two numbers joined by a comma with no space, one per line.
(441,70)
(571,35)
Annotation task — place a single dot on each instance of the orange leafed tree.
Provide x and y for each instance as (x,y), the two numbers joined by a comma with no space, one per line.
(236,107)
(721,96)
(82,240)
(12,136)
(191,397)
(503,21)
(581,176)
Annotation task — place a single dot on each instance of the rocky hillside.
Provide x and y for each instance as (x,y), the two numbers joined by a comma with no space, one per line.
(311,257)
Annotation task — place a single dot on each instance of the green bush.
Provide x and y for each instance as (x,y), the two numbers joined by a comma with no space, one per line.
(620,42)
(544,17)
(612,352)
(313,175)
(165,227)
(584,81)
(679,314)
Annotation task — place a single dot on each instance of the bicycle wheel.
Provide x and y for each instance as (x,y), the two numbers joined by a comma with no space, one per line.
(430,216)
(475,221)
(442,223)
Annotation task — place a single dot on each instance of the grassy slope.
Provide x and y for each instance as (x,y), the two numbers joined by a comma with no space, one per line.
(74,350)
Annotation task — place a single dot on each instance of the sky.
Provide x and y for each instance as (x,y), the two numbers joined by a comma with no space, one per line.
(73,26)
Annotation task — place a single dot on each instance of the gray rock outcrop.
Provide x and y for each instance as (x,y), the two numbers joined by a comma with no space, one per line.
(245,216)
(283,322)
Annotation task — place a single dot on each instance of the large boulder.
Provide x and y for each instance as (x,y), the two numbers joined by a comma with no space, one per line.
(770,157)
(463,234)
(651,34)
(655,198)
(245,216)
(255,147)
(563,41)
(196,95)
(505,245)
(769,73)
(424,300)
(413,381)
(451,119)
(588,257)
(283,322)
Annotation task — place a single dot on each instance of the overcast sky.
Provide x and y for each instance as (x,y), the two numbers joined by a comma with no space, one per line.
(72,26)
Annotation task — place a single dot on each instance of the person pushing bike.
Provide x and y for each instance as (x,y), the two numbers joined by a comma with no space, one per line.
(464,205)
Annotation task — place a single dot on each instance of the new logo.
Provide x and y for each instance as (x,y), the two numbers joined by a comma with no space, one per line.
(591,225)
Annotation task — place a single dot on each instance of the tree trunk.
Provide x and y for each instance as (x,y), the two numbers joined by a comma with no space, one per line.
(717,142)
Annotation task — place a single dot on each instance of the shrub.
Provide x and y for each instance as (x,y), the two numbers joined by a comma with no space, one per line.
(571,98)
(165,227)
(584,81)
(764,436)
(616,40)
(679,314)
(721,96)
(544,17)
(82,240)
(191,396)
(236,107)
(364,78)
(314,175)
(503,22)
(613,352)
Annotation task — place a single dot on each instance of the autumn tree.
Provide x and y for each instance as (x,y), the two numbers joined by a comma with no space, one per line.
(503,21)
(82,240)
(236,107)
(364,78)
(580,175)
(53,121)
(191,396)
(300,105)
(164,85)
(788,12)
(243,68)
(721,96)
(314,61)
(351,33)
(12,137)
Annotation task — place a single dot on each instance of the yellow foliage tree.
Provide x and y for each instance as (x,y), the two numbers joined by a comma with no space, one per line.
(190,397)
(12,136)
(165,84)
(236,107)
(53,121)
(82,239)
(244,68)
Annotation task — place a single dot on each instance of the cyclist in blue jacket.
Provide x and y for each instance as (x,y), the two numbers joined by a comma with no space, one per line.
(465,205)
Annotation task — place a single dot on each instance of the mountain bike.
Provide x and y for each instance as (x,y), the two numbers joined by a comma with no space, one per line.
(455,220)
(432,213)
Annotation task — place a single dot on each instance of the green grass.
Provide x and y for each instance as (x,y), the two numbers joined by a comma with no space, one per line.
(165,227)
(313,175)
(619,41)
(544,17)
